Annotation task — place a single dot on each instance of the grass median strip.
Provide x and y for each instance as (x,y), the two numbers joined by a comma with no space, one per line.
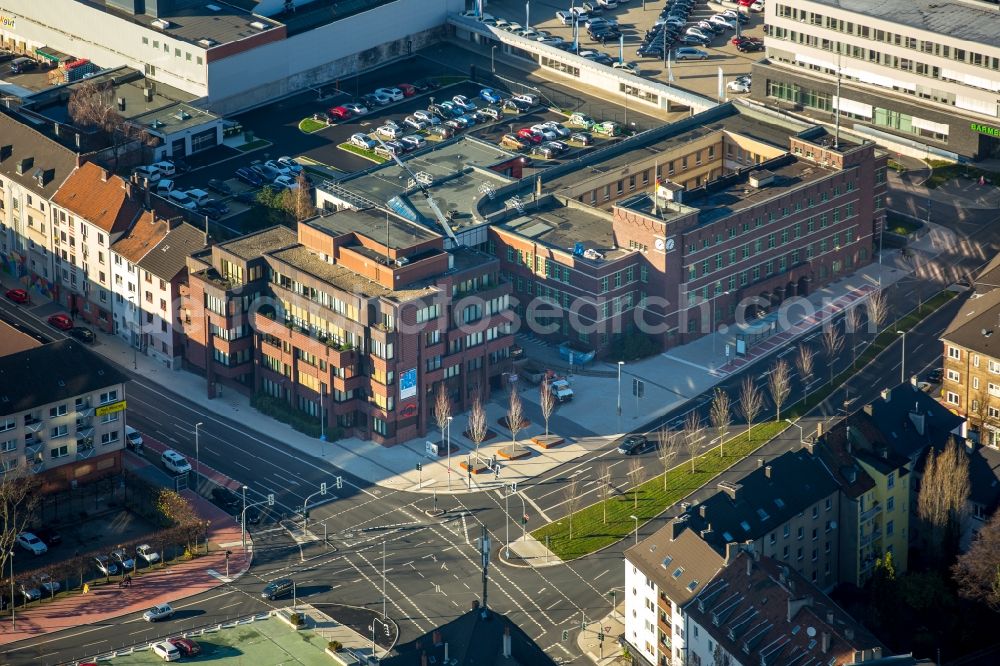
(308,125)
(590,532)
(361,152)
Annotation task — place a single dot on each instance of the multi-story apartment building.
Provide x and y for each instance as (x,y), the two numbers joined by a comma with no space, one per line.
(91,210)
(787,509)
(923,73)
(875,483)
(61,410)
(32,167)
(149,271)
(758,611)
(358,316)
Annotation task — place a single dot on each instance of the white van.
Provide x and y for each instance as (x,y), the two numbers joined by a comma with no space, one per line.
(147,173)
(166,168)
(527,98)
(175,462)
(199,196)
(164,186)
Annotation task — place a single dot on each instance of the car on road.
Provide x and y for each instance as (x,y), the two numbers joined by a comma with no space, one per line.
(583,138)
(158,612)
(133,438)
(122,558)
(363,141)
(226,498)
(253,515)
(17,295)
(936,375)
(175,462)
(633,445)
(249,176)
(83,334)
(394,94)
(688,53)
(62,321)
(339,113)
(277,588)
(491,95)
(146,552)
(219,187)
(166,651)
(186,646)
(31,543)
(106,566)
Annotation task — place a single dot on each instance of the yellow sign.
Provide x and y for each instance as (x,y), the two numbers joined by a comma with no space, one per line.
(110,409)
(7,22)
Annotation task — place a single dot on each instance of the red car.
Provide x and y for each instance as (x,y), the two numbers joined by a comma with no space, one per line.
(339,113)
(18,295)
(408,90)
(526,134)
(61,321)
(185,646)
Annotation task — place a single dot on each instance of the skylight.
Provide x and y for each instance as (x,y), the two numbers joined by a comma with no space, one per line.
(692,585)
(780,503)
(762,514)
(745,525)
(666,561)
(678,571)
(727,536)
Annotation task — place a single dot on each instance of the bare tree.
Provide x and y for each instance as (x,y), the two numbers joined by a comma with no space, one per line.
(92,106)
(833,344)
(18,499)
(478,426)
(804,363)
(751,402)
(852,321)
(442,409)
(878,310)
(667,451)
(721,415)
(515,418)
(692,435)
(977,571)
(604,489)
(638,474)
(981,408)
(298,201)
(547,401)
(780,384)
(572,500)
(942,501)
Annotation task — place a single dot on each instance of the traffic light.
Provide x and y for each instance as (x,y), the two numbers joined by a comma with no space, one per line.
(565,634)
(340,482)
(419,467)
(322,488)
(600,637)
(270,499)
(524,519)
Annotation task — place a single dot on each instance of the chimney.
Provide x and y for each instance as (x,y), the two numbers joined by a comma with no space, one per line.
(826,642)
(913,382)
(6,151)
(121,103)
(829,617)
(819,430)
(147,94)
(869,409)
(105,174)
(676,528)
(436,637)
(767,471)
(886,394)
(760,463)
(506,643)
(446,653)
(703,511)
(538,186)
(749,565)
(705,532)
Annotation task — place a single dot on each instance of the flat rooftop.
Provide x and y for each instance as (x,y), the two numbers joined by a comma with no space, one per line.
(372,224)
(973,22)
(13,340)
(214,20)
(560,226)
(256,245)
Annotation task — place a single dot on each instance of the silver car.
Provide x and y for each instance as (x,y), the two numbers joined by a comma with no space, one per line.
(121,557)
(106,566)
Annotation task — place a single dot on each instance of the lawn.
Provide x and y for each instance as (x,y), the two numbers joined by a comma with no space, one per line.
(367,154)
(308,125)
(590,532)
(942,172)
(901,225)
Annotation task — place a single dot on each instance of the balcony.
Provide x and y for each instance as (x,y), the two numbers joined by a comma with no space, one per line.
(33,447)
(871,513)
(32,424)
(869,538)
(84,451)
(84,429)
(84,410)
(36,465)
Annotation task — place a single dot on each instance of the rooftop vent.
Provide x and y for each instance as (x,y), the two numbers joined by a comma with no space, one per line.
(260,25)
(761,178)
(162,24)
(213,8)
(207,43)
(670,191)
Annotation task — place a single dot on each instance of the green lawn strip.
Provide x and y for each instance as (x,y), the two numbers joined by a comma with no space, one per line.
(308,125)
(367,154)
(591,533)
(942,172)
(253,145)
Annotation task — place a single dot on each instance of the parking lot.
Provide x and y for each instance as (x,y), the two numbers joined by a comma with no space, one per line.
(698,76)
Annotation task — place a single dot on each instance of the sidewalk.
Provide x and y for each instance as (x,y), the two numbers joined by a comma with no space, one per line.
(167,585)
(331,630)
(610,627)
(958,192)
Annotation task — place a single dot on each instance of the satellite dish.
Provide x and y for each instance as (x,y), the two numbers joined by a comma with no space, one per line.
(811,632)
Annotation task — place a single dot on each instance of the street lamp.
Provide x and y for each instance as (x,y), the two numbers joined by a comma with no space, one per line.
(243,522)
(506,521)
(902,360)
(493,59)
(711,319)
(13,621)
(636,519)
(620,364)
(322,419)
(197,451)
(135,335)
(802,434)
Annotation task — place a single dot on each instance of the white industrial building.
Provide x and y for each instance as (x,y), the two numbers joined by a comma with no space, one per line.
(227,54)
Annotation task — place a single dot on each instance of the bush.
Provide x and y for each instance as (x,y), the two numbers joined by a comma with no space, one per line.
(295,619)
(335,646)
(633,346)
(279,409)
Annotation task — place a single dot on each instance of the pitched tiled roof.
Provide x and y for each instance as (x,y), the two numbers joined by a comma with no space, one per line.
(100,198)
(763,499)
(979,314)
(680,566)
(988,278)
(900,413)
(50,163)
(169,257)
(762,612)
(141,238)
(56,371)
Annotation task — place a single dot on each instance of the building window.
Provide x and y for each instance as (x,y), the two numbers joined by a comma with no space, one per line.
(890,504)
(891,480)
(951,398)
(954,376)
(955,353)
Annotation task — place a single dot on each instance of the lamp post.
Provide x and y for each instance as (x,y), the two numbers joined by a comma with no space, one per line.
(711,319)
(448,445)
(493,59)
(636,519)
(13,621)
(902,359)
(322,419)
(506,521)
(620,364)
(135,335)
(802,434)
(243,521)
(197,451)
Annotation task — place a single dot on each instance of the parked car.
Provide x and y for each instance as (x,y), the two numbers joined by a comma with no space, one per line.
(565,18)
(356,108)
(226,498)
(163,187)
(61,321)
(48,536)
(513,141)
(415,122)
(175,462)
(165,167)
(514,105)
(339,113)
(694,40)
(30,592)
(265,171)
(584,138)
(166,651)
(491,95)
(122,559)
(83,334)
(721,22)
(158,612)
(213,208)
(633,445)
(285,182)
(219,186)
(323,117)
(133,438)
(362,141)
(46,582)
(738,86)
(413,141)
(249,176)
(394,94)
(427,117)
(688,53)
(148,555)
(491,113)
(560,130)
(423,85)
(32,543)
(17,295)
(186,646)
(527,98)
(544,131)
(580,120)
(148,173)
(628,67)
(557,146)
(106,566)
(543,151)
(750,46)
(407,89)
(528,135)
(936,375)
(290,164)
(442,132)
(277,588)
(389,132)
(181,199)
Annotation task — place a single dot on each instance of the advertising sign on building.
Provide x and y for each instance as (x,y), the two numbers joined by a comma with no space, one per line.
(407,384)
